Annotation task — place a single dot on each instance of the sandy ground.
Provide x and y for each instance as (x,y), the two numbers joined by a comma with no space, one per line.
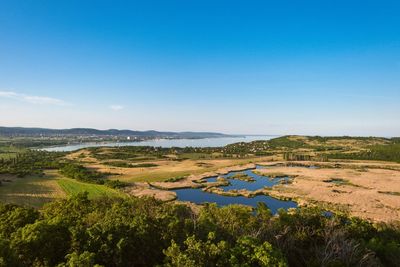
(144,189)
(364,194)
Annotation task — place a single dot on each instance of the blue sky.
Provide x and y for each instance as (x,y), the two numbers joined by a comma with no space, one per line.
(260,67)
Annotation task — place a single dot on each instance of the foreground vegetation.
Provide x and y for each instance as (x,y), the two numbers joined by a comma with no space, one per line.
(145,232)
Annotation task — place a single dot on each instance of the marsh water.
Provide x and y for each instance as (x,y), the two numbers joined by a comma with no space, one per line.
(204,142)
(258,183)
(199,196)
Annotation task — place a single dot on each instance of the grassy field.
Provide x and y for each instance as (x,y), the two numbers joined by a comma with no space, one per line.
(172,169)
(35,191)
(31,191)
(72,187)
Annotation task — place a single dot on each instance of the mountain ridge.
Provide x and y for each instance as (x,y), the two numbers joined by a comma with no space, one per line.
(37,131)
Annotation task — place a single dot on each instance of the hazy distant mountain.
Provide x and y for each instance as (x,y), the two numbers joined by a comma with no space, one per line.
(21,131)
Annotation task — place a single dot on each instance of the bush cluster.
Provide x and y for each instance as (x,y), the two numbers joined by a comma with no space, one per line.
(146,232)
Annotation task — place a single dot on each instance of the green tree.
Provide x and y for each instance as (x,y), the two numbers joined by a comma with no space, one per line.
(41,243)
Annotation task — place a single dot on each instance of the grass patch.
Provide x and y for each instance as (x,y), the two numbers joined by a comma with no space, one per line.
(242,176)
(123,164)
(175,179)
(195,156)
(73,187)
(31,191)
(119,164)
(204,165)
(144,165)
(390,193)
(340,181)
(272,174)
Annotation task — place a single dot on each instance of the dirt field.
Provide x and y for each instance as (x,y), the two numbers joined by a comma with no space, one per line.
(367,190)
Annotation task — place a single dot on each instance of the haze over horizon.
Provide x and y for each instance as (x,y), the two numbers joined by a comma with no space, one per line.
(312,68)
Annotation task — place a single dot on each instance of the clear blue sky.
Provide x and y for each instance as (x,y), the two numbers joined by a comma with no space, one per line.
(262,67)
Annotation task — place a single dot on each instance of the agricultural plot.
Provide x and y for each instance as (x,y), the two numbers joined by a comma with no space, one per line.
(31,191)
(73,187)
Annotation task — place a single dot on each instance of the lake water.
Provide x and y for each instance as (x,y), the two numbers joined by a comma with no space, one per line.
(205,142)
(199,196)
(258,183)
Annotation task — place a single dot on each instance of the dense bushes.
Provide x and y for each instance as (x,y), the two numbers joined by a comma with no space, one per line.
(389,152)
(80,173)
(30,163)
(146,232)
(123,164)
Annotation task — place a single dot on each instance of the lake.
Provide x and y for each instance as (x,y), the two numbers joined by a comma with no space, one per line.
(258,183)
(205,142)
(199,196)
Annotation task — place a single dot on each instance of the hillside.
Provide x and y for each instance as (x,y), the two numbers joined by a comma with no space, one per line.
(21,131)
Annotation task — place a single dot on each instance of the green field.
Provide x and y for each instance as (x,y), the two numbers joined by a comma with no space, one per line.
(35,191)
(31,191)
(72,187)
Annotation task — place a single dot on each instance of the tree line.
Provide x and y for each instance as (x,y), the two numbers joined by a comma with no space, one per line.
(146,232)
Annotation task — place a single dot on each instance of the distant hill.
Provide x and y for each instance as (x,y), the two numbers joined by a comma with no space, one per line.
(21,131)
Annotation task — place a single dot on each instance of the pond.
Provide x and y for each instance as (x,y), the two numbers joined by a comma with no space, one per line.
(258,183)
(199,196)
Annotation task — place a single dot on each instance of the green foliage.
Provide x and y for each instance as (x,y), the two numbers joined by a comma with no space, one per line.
(123,164)
(198,253)
(388,152)
(115,184)
(119,164)
(175,179)
(13,217)
(250,252)
(80,173)
(30,163)
(144,165)
(146,232)
(86,259)
(42,243)
(245,252)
